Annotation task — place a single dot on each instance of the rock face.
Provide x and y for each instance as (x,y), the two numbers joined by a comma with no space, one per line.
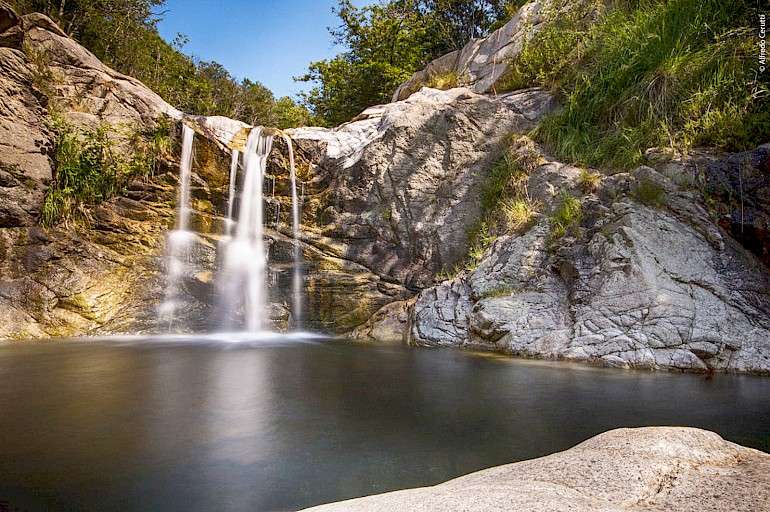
(397,189)
(653,468)
(482,62)
(67,281)
(633,285)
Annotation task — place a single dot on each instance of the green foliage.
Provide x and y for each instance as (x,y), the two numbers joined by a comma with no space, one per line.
(505,206)
(568,214)
(444,81)
(649,73)
(555,48)
(648,192)
(589,181)
(123,34)
(91,168)
(385,44)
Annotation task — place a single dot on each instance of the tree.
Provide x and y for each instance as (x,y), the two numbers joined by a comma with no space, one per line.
(385,44)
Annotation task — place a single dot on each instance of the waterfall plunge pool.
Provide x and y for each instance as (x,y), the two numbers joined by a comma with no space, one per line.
(279,423)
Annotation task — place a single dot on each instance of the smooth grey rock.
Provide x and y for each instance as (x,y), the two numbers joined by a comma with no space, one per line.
(398,188)
(638,286)
(643,469)
(481,62)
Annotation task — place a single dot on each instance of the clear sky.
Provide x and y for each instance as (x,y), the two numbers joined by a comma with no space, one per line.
(266,40)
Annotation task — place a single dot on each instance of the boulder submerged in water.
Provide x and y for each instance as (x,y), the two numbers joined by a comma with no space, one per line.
(628,469)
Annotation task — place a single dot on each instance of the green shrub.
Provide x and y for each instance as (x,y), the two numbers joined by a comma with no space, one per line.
(90,168)
(649,73)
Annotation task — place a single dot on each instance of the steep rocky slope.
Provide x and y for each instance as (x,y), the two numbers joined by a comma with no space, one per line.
(642,469)
(71,279)
(634,284)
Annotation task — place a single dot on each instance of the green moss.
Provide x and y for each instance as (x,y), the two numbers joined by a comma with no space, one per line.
(649,193)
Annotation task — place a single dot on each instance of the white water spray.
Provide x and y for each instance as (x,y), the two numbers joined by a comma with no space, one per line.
(235,156)
(179,241)
(295,226)
(245,262)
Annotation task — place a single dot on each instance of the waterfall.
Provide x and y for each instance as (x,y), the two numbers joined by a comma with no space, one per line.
(295,222)
(245,262)
(179,240)
(234,157)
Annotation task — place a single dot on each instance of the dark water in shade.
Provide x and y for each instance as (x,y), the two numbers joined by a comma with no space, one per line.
(266,426)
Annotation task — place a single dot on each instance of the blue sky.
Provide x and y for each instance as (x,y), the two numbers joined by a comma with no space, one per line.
(266,40)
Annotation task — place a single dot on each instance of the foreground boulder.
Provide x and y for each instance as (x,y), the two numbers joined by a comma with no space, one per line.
(653,468)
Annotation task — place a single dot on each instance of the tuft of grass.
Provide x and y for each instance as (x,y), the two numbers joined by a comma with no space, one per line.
(589,181)
(499,291)
(444,81)
(43,77)
(518,213)
(568,214)
(648,73)
(649,193)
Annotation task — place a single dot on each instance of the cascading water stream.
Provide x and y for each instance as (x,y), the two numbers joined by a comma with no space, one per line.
(245,262)
(295,226)
(235,156)
(179,240)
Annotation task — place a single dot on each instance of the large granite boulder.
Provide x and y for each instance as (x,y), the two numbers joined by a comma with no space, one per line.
(642,469)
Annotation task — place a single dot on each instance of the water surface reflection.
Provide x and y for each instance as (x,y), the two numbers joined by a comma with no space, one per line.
(276,424)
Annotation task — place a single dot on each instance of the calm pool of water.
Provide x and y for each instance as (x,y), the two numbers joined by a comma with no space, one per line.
(202,425)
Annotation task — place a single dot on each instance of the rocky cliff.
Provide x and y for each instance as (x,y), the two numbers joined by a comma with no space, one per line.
(664,266)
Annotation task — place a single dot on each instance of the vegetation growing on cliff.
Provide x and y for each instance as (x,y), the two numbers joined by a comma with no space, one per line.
(92,167)
(649,73)
(123,35)
(506,205)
